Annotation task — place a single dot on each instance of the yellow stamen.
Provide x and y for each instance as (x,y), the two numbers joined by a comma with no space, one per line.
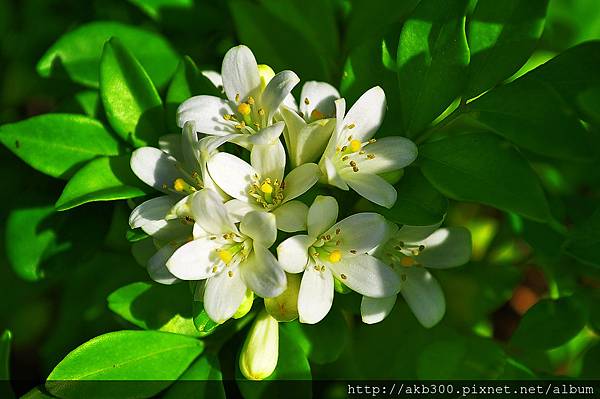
(244,109)
(266,188)
(225,256)
(355,145)
(335,256)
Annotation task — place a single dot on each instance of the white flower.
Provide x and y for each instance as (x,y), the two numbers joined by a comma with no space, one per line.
(308,129)
(409,251)
(253,97)
(336,249)
(353,158)
(178,169)
(231,259)
(261,186)
(260,352)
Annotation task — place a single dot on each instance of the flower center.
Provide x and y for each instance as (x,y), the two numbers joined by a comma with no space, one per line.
(268,193)
(400,254)
(354,153)
(249,117)
(226,254)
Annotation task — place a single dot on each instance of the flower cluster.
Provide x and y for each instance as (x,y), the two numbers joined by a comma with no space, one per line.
(218,220)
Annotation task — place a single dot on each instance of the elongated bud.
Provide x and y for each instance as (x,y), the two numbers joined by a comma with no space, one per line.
(261,350)
(285,306)
(245,306)
(266,73)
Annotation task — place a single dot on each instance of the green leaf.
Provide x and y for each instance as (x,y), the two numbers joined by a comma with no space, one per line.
(77,53)
(591,363)
(533,116)
(124,355)
(461,357)
(583,242)
(502,36)
(575,75)
(291,365)
(418,203)
(103,179)
(322,342)
(132,104)
(187,82)
(203,323)
(432,61)
(480,167)
(5,341)
(155,307)
(37,393)
(153,8)
(135,235)
(58,144)
(207,379)
(550,323)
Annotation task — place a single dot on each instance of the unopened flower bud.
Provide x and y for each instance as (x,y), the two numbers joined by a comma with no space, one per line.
(285,306)
(261,349)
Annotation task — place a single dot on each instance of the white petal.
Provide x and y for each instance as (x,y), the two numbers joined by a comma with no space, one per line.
(366,275)
(366,114)
(330,171)
(322,214)
(231,174)
(171,144)
(294,124)
(262,273)
(277,90)
(291,216)
(190,148)
(300,180)
(153,210)
(207,114)
(214,77)
(340,110)
(260,226)
(240,74)
(374,310)
(267,135)
(154,167)
(448,247)
(424,295)
(360,232)
(223,295)
(269,160)
(415,233)
(210,213)
(391,153)
(321,96)
(157,266)
(316,295)
(372,187)
(293,253)
(237,209)
(306,142)
(194,260)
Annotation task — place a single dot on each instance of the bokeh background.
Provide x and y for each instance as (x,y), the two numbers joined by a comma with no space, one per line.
(53,315)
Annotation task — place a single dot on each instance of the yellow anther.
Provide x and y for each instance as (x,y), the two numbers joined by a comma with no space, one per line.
(316,114)
(244,109)
(225,256)
(343,276)
(335,256)
(355,145)
(251,100)
(179,184)
(266,188)
(351,126)
(306,101)
(407,261)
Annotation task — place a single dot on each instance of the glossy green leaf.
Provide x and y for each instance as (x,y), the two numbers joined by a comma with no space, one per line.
(155,307)
(154,8)
(322,342)
(203,379)
(292,365)
(418,203)
(583,242)
(187,82)
(86,102)
(575,75)
(482,168)
(132,104)
(502,36)
(5,341)
(135,235)
(37,393)
(550,323)
(103,179)
(58,144)
(531,115)
(77,53)
(461,357)
(124,355)
(203,323)
(432,61)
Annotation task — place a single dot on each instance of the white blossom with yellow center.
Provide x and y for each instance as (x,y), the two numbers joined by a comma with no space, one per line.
(353,159)
(254,94)
(336,249)
(409,251)
(230,259)
(261,185)
(309,128)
